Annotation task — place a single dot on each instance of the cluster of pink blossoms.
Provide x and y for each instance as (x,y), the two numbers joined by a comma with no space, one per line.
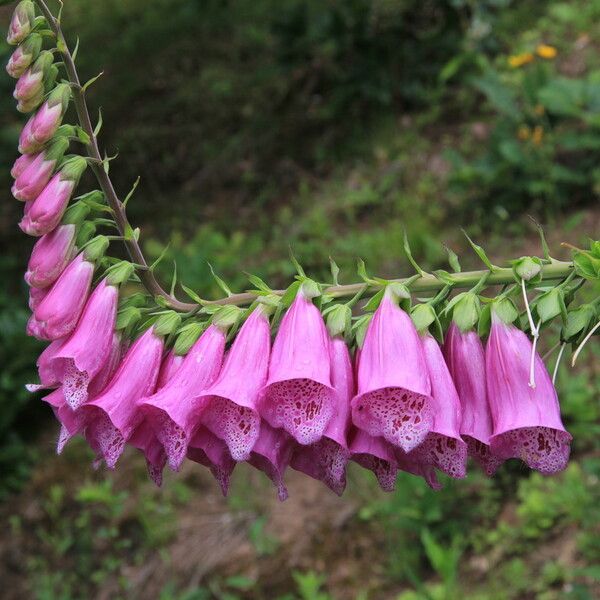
(394,401)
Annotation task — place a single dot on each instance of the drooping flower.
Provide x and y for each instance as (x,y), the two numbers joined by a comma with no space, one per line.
(31,84)
(393,398)
(72,422)
(271,455)
(229,405)
(174,411)
(326,459)
(30,183)
(298,395)
(50,255)
(409,463)
(210,451)
(465,358)
(47,209)
(86,350)
(36,295)
(43,125)
(58,313)
(21,22)
(170,365)
(443,447)
(112,417)
(45,372)
(527,422)
(24,55)
(375,454)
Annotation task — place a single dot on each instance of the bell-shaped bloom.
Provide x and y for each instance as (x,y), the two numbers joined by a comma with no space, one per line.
(326,459)
(44,366)
(86,350)
(43,125)
(393,398)
(21,164)
(229,405)
(21,22)
(527,423)
(375,454)
(174,411)
(24,55)
(465,358)
(271,455)
(50,255)
(210,451)
(144,438)
(73,422)
(112,417)
(409,463)
(443,447)
(30,183)
(298,396)
(47,209)
(59,311)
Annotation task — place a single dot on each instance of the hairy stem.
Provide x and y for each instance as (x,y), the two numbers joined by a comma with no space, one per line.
(554,271)
(135,252)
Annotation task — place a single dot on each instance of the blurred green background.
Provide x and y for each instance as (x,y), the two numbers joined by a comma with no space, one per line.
(329,126)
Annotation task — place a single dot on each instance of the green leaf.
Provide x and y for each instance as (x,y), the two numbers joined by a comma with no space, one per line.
(485,321)
(578,320)
(192,294)
(88,83)
(480,252)
(258,283)
(548,305)
(297,265)
(453,259)
(290,294)
(98,127)
(527,267)
(131,192)
(160,257)
(586,265)
(466,312)
(423,315)
(335,271)
(409,255)
(505,310)
(374,301)
(224,287)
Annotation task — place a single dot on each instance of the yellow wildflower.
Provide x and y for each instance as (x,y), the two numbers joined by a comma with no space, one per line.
(545,51)
(538,135)
(523,132)
(518,60)
(539,109)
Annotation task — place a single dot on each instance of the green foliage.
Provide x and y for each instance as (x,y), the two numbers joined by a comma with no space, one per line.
(544,141)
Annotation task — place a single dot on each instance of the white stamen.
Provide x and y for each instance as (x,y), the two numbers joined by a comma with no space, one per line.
(536,335)
(585,340)
(534,330)
(558,359)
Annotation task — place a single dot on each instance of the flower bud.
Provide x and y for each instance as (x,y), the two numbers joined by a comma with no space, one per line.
(21,164)
(50,255)
(21,23)
(29,105)
(119,273)
(31,83)
(46,211)
(339,320)
(24,55)
(30,183)
(96,248)
(43,125)
(76,214)
(167,323)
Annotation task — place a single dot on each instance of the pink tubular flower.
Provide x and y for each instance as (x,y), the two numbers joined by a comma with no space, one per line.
(59,311)
(465,358)
(113,416)
(50,255)
(326,459)
(210,451)
(21,22)
(393,398)
(527,423)
(86,350)
(73,421)
(229,404)
(298,395)
(47,209)
(30,183)
(45,371)
(375,454)
(271,455)
(174,411)
(31,83)
(43,125)
(443,447)
(24,55)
